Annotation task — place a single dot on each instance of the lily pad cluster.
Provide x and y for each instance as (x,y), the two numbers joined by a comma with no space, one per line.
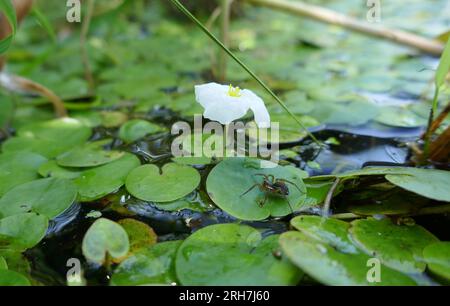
(339,253)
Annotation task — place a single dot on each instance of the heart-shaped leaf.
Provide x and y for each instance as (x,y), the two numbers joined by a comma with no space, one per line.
(105,238)
(148,184)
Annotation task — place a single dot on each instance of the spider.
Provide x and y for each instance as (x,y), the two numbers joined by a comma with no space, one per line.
(272,186)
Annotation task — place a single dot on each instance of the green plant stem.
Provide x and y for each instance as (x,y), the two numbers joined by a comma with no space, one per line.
(427,138)
(185,11)
(83,43)
(225,36)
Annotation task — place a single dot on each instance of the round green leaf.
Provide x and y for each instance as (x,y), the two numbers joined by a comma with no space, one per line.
(331,267)
(232,254)
(136,129)
(330,231)
(49,138)
(397,246)
(152,265)
(230,179)
(11,278)
(103,238)
(98,182)
(22,231)
(429,183)
(48,197)
(87,156)
(437,257)
(18,168)
(148,184)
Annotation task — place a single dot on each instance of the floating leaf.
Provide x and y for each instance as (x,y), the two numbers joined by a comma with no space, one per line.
(400,117)
(52,169)
(22,231)
(3,264)
(11,278)
(49,138)
(105,238)
(135,129)
(232,254)
(15,261)
(87,156)
(98,182)
(399,203)
(330,231)
(113,119)
(230,179)
(331,267)
(152,265)
(429,183)
(140,234)
(437,257)
(397,246)
(49,197)
(174,182)
(18,168)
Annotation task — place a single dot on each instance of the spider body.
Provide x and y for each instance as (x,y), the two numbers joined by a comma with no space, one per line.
(272,186)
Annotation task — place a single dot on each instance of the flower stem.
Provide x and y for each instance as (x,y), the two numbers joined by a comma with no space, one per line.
(225,36)
(185,11)
(83,43)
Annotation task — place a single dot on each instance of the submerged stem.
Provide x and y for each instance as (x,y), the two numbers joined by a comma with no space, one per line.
(185,11)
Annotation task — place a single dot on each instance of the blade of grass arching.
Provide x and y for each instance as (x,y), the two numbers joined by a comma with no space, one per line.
(185,11)
(441,74)
(7,8)
(44,22)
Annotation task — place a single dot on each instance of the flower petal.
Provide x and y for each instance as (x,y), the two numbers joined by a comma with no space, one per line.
(207,94)
(258,107)
(218,104)
(226,114)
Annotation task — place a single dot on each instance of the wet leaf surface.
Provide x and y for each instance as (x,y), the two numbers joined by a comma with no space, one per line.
(152,265)
(228,182)
(235,254)
(49,197)
(170,183)
(397,246)
(105,238)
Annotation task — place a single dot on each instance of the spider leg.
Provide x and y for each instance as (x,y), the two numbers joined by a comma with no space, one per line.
(289,182)
(261,174)
(250,189)
(261,204)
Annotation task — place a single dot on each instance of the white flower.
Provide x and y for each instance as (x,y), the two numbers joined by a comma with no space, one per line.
(226,103)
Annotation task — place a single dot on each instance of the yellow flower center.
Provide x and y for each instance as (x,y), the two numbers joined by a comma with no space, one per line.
(234,92)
